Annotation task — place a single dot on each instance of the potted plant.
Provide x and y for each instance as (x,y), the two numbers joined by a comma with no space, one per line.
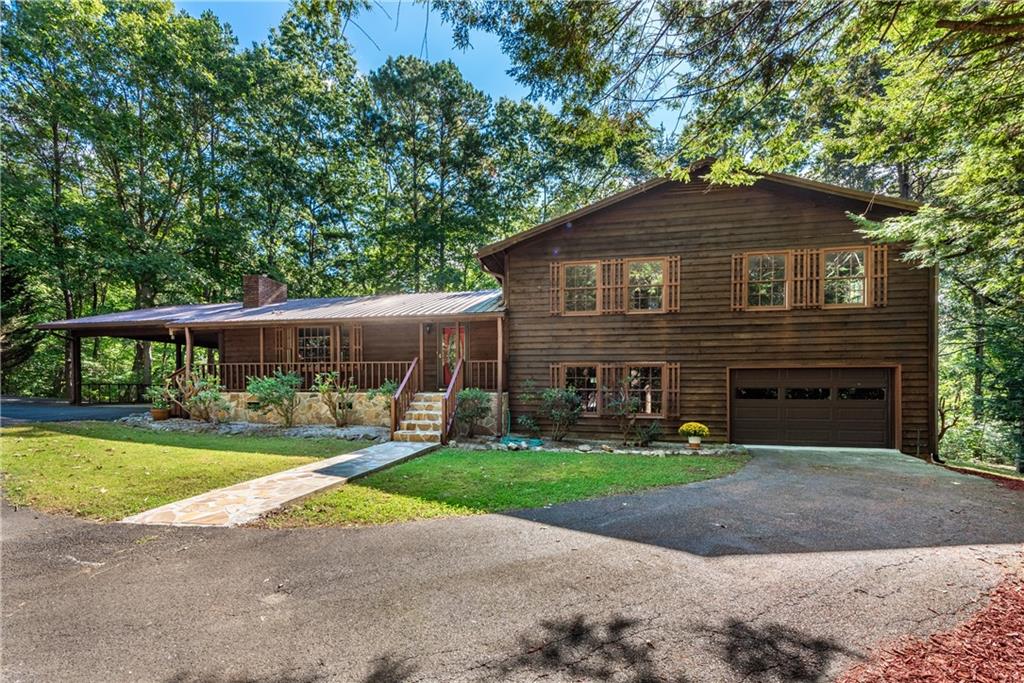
(695,431)
(160,402)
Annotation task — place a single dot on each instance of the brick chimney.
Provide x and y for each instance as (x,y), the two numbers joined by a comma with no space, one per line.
(260,290)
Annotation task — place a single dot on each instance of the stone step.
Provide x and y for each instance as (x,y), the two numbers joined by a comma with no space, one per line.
(430,406)
(428,396)
(420,425)
(434,415)
(417,436)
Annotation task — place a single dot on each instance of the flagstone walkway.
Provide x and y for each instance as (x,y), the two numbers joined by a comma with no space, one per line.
(244,502)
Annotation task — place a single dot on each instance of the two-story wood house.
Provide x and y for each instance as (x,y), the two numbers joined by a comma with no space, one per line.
(758,310)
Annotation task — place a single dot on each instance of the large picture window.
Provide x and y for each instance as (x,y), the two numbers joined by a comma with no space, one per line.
(580,287)
(314,344)
(646,285)
(767,281)
(845,275)
(653,386)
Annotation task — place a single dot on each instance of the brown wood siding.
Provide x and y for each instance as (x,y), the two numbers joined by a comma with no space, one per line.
(241,346)
(706,227)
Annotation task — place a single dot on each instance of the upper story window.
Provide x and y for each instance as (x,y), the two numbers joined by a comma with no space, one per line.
(646,285)
(845,276)
(767,280)
(580,287)
(314,344)
(611,286)
(838,277)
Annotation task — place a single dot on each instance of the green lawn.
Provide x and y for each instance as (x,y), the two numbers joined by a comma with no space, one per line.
(106,471)
(458,482)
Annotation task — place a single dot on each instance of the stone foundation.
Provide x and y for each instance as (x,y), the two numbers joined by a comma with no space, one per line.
(311,410)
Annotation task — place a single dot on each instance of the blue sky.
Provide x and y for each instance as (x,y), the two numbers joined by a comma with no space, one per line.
(388,29)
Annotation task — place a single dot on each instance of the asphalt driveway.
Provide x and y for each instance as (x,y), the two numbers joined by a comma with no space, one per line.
(790,570)
(14,409)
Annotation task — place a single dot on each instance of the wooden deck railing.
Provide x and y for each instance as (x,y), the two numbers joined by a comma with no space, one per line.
(450,402)
(363,374)
(482,374)
(403,396)
(114,392)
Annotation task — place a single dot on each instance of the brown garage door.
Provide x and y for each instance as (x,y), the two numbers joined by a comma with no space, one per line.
(812,406)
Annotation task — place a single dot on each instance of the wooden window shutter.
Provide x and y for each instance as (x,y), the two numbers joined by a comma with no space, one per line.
(613,286)
(555,377)
(739,282)
(673,389)
(672,283)
(284,349)
(556,287)
(357,343)
(806,278)
(879,275)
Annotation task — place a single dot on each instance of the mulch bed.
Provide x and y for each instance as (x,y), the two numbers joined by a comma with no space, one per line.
(1008,482)
(987,648)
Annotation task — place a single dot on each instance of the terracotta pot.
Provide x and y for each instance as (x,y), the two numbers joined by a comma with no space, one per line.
(160,413)
(694,442)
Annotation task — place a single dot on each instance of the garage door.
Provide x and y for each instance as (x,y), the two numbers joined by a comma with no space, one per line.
(812,406)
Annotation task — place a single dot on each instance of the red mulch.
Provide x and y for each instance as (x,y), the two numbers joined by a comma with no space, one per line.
(1008,482)
(987,648)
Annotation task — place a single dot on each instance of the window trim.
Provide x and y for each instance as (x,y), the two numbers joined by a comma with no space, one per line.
(663,260)
(788,280)
(300,337)
(596,263)
(868,277)
(598,393)
(666,388)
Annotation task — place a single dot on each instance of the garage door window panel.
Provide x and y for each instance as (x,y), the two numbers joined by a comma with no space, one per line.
(757,393)
(808,393)
(861,394)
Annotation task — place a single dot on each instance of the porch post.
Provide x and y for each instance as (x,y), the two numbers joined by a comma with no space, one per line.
(501,375)
(75,381)
(422,361)
(179,360)
(261,373)
(189,352)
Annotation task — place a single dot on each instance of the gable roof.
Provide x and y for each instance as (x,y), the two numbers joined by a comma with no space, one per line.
(869,198)
(383,306)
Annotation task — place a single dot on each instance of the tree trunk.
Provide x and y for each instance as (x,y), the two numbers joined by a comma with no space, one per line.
(978,394)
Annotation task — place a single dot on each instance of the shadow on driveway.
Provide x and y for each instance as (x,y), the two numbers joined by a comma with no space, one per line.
(16,409)
(797,500)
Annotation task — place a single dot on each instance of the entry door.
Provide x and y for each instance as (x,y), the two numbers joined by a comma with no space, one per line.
(452,349)
(812,406)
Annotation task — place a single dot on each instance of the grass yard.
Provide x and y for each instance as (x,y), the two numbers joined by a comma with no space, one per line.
(1003,470)
(459,482)
(105,471)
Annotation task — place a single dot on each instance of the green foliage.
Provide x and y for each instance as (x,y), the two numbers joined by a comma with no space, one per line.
(277,393)
(623,407)
(159,396)
(335,397)
(202,399)
(385,391)
(562,408)
(694,429)
(528,424)
(472,407)
(648,432)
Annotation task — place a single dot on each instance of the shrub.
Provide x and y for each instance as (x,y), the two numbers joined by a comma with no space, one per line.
(278,393)
(334,396)
(623,407)
(562,408)
(160,397)
(472,407)
(201,397)
(385,390)
(695,429)
(528,423)
(647,433)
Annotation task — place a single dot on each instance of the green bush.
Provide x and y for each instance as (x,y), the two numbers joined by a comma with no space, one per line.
(334,396)
(562,408)
(159,396)
(472,407)
(528,423)
(278,393)
(623,407)
(647,433)
(385,390)
(201,397)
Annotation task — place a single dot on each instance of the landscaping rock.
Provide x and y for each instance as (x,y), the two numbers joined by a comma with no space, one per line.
(584,448)
(353,433)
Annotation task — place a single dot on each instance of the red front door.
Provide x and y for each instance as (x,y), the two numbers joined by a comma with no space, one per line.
(451,351)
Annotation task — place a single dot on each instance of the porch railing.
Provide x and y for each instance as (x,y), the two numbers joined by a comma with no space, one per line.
(113,392)
(403,396)
(450,402)
(363,374)
(482,374)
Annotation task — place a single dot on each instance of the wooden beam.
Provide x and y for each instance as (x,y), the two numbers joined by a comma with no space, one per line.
(179,356)
(189,352)
(75,380)
(261,349)
(501,376)
(422,363)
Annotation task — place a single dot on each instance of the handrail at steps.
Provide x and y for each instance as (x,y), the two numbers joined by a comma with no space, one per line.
(450,401)
(402,397)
